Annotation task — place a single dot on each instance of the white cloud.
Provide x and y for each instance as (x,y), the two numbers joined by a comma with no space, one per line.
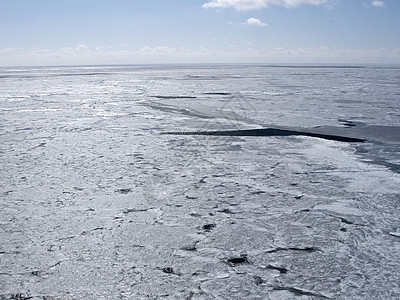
(162,51)
(243,5)
(85,55)
(237,4)
(330,55)
(378,3)
(255,22)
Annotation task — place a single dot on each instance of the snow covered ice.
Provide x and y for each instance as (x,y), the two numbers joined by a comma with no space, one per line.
(96,203)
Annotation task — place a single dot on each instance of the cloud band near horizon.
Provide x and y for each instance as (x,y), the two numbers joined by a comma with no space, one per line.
(84,55)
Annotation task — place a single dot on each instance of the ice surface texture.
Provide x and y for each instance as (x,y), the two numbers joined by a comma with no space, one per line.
(97,204)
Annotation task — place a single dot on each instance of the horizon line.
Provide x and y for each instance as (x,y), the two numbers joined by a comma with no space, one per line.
(270,64)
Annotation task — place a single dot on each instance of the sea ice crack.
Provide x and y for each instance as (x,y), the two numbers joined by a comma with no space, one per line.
(270,132)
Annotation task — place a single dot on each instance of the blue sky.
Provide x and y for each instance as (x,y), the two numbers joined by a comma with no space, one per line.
(71,32)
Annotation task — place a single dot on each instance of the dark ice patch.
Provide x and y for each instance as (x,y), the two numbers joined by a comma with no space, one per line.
(168,270)
(15,297)
(238,260)
(133,210)
(305,249)
(208,227)
(258,280)
(123,191)
(173,97)
(299,292)
(189,248)
(345,221)
(257,192)
(282,270)
(218,93)
(227,211)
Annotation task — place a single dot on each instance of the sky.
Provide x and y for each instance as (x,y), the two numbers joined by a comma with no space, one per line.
(90,32)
